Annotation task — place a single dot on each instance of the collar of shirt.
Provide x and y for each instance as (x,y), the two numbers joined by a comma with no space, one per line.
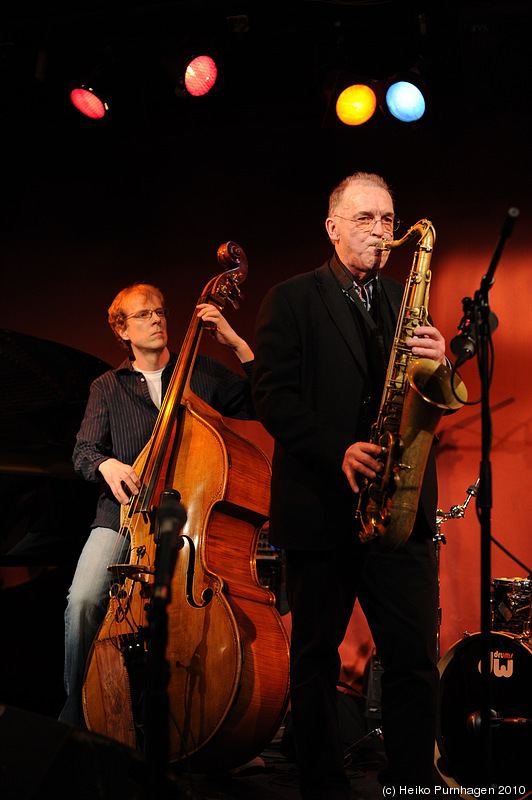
(366,292)
(128,365)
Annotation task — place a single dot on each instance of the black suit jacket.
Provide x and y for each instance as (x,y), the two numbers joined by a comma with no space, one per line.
(312,387)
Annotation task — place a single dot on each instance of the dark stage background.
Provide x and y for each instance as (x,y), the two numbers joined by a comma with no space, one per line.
(151,193)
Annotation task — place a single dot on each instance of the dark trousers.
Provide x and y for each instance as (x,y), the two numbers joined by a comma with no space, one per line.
(399,596)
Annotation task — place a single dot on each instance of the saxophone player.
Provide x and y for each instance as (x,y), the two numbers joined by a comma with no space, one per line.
(323,340)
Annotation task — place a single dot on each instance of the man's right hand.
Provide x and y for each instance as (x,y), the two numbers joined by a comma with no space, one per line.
(361,458)
(121,479)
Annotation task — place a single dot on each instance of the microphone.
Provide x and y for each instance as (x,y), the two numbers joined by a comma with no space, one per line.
(474,721)
(511,216)
(464,344)
(171,517)
(464,347)
(171,514)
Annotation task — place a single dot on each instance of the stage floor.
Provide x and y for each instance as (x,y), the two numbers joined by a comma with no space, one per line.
(274,777)
(40,756)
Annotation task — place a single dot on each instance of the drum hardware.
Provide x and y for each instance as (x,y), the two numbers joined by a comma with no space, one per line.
(474,721)
(376,733)
(459,752)
(460,746)
(455,512)
(511,609)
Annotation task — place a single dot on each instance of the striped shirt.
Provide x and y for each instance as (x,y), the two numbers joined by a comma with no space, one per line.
(120,416)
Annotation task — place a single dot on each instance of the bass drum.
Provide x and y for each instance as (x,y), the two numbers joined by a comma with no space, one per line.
(459,755)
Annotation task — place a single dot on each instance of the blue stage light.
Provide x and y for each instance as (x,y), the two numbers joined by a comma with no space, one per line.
(405,101)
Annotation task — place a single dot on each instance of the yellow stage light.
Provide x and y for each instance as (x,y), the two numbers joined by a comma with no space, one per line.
(356,104)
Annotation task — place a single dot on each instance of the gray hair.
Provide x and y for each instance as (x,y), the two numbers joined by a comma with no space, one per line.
(368,178)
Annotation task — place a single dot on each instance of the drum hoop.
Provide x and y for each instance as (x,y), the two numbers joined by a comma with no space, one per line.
(525,582)
(447,657)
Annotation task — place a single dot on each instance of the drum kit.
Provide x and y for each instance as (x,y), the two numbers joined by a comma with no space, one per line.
(459,754)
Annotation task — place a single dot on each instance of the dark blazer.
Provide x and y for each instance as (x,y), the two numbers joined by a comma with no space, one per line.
(312,389)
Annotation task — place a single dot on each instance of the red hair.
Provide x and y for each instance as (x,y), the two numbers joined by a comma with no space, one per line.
(117,316)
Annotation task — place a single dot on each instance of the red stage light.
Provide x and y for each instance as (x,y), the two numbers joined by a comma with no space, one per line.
(88,103)
(200,75)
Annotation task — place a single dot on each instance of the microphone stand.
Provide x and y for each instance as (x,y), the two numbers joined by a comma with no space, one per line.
(171,517)
(481,312)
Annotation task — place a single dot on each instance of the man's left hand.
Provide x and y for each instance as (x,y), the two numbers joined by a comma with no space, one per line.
(428,342)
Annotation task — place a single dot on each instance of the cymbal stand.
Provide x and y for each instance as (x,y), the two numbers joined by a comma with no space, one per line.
(455,512)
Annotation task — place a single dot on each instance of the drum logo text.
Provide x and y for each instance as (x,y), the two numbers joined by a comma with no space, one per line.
(502,664)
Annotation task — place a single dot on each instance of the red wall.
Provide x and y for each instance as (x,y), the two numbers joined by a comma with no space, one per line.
(76,237)
(462,255)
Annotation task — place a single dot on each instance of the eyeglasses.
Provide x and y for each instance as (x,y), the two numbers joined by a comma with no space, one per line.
(145,315)
(366,223)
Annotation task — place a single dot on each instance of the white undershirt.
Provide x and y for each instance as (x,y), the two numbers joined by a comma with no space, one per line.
(155,385)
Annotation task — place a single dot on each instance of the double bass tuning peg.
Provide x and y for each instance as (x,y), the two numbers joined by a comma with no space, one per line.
(225,287)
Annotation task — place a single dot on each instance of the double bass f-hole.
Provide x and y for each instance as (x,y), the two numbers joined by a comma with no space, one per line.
(207,593)
(171,514)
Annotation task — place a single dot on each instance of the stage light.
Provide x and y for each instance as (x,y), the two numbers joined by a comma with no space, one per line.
(356,104)
(200,76)
(88,102)
(405,101)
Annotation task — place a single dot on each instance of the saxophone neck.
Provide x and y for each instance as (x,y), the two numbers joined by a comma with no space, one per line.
(424,229)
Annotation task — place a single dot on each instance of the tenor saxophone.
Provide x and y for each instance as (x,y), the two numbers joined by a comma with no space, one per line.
(416,393)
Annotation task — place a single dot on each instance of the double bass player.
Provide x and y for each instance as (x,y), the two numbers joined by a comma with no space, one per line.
(119,418)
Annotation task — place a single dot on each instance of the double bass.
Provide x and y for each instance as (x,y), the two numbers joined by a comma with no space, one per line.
(226,648)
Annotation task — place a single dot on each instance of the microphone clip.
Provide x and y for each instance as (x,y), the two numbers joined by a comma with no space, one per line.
(464,345)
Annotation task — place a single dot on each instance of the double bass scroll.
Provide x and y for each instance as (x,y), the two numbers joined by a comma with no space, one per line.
(227,649)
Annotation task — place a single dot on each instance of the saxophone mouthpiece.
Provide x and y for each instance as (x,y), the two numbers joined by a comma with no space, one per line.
(384,244)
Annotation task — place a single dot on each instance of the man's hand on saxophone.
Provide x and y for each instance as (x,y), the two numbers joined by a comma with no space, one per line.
(428,342)
(361,457)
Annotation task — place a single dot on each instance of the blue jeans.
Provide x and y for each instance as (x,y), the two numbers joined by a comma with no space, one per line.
(88,598)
